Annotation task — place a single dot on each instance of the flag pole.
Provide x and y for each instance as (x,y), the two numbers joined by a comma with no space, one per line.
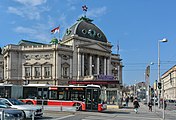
(59,33)
(84,8)
(117,47)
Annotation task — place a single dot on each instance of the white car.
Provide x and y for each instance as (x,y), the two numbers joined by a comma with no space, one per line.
(10,113)
(29,110)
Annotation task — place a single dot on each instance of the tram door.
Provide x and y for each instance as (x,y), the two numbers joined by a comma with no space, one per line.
(92,98)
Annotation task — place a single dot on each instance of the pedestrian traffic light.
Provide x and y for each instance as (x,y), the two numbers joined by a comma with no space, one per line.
(159,85)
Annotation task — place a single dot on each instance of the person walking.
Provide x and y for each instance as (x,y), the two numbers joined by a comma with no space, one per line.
(165,105)
(113,100)
(127,100)
(136,105)
(150,106)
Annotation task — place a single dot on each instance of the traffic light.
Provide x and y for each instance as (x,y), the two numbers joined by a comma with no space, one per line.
(152,90)
(159,85)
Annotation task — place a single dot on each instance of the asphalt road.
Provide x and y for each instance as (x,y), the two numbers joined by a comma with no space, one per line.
(112,113)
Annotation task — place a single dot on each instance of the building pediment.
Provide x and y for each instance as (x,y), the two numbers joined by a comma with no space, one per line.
(93,47)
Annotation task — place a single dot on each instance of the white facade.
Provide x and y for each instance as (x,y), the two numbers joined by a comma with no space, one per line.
(83,56)
(169,80)
(58,64)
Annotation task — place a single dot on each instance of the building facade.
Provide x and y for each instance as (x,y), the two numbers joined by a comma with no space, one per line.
(82,57)
(169,80)
(1,67)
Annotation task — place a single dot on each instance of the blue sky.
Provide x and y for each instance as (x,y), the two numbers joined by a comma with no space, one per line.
(136,25)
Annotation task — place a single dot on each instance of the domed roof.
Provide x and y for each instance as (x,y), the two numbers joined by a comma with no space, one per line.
(85,28)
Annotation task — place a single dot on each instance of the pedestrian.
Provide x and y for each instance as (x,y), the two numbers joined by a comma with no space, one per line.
(150,106)
(165,105)
(113,100)
(127,100)
(131,98)
(136,105)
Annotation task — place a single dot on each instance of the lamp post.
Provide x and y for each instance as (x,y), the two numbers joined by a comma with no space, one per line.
(159,80)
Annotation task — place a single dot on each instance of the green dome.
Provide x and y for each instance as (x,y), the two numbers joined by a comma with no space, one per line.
(85,28)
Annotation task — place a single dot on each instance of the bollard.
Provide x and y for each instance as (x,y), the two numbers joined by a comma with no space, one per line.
(42,104)
(61,107)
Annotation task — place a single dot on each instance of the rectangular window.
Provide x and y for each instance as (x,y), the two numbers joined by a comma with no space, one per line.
(65,71)
(53,95)
(27,72)
(47,72)
(37,72)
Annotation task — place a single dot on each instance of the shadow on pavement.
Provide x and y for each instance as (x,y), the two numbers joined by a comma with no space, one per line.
(117,112)
(127,107)
(45,118)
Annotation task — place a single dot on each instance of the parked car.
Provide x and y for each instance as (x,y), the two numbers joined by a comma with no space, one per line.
(10,113)
(29,110)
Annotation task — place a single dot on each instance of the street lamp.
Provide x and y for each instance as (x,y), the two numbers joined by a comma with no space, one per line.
(159,80)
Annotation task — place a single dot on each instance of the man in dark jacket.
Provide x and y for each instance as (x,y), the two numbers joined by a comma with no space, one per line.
(136,105)
(150,106)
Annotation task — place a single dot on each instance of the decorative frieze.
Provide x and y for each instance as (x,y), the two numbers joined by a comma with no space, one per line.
(38,56)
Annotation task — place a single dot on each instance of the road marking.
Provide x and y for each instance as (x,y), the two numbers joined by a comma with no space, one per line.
(131,117)
(64,117)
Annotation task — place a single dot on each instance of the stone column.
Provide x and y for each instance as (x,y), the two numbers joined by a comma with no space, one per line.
(98,65)
(79,64)
(9,66)
(71,67)
(82,64)
(56,63)
(105,66)
(90,65)
(59,66)
(108,66)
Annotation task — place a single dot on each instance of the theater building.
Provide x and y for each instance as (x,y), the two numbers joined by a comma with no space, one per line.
(83,56)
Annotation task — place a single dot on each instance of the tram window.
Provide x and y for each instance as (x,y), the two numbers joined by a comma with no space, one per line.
(61,95)
(53,95)
(39,92)
(77,95)
(30,92)
(45,94)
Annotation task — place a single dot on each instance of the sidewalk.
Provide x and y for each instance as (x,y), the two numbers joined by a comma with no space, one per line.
(143,112)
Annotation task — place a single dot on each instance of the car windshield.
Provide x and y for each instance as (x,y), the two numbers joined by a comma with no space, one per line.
(2,105)
(15,101)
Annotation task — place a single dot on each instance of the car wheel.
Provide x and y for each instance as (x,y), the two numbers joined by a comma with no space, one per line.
(78,106)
